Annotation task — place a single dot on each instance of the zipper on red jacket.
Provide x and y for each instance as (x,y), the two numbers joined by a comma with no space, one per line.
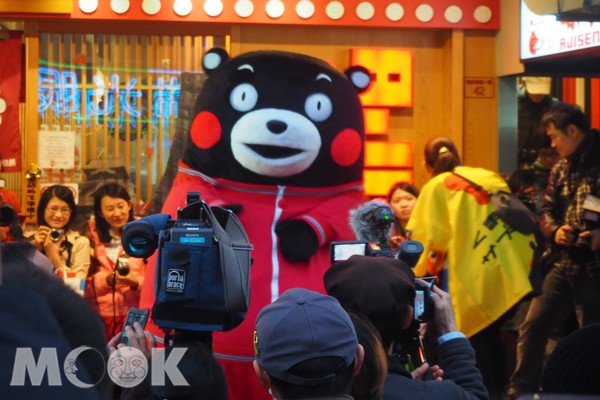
(274,243)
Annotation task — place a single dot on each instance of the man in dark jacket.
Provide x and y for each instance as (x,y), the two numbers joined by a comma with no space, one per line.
(533,145)
(382,289)
(45,332)
(574,279)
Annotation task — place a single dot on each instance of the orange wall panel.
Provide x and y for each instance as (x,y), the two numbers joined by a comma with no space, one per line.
(377,182)
(388,154)
(377,121)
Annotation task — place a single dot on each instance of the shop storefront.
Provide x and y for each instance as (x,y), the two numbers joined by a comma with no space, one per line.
(562,44)
(102,80)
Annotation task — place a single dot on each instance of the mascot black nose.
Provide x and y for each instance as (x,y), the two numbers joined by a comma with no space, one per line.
(276,126)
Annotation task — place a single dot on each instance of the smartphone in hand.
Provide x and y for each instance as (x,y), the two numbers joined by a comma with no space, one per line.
(133,315)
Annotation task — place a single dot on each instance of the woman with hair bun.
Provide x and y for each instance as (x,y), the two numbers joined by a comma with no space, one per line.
(487,262)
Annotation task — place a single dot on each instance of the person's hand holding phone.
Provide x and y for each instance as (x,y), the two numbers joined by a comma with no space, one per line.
(134,315)
(139,339)
(133,332)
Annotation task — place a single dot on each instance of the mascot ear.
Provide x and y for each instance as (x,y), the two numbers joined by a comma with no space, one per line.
(360,77)
(213,59)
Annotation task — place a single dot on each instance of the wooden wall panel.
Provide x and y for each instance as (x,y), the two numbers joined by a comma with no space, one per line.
(480,147)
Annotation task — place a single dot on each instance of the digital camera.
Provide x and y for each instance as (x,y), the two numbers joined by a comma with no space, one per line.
(582,248)
(122,266)
(56,234)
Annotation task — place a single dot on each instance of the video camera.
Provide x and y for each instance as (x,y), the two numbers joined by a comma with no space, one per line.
(7,215)
(372,223)
(202,279)
(409,349)
(409,252)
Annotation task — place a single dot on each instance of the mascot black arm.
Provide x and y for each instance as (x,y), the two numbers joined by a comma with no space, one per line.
(297,240)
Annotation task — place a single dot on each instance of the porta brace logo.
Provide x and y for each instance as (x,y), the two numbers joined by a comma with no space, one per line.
(126,367)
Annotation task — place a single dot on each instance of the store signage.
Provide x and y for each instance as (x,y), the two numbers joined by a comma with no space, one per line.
(479,87)
(62,93)
(543,35)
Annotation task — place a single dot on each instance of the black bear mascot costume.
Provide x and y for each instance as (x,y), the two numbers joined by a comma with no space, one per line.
(279,138)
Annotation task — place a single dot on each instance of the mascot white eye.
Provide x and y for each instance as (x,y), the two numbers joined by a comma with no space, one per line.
(318,107)
(243,97)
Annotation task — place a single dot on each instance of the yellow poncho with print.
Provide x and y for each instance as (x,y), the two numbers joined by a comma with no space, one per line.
(488,262)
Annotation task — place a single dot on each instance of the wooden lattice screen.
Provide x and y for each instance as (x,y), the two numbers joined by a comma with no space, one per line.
(119,95)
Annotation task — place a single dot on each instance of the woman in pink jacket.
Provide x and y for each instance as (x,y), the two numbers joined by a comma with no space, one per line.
(116,282)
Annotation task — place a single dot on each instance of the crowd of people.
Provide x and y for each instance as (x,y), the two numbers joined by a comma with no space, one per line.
(359,340)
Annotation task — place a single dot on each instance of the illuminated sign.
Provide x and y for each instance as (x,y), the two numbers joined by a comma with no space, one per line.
(116,103)
(377,121)
(385,163)
(543,35)
(392,80)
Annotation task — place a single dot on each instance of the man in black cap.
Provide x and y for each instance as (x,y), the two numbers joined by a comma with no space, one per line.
(306,347)
(382,289)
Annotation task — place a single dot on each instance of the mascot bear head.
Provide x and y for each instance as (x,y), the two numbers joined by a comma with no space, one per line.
(270,117)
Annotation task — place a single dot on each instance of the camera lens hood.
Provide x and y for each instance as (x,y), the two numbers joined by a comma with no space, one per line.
(410,251)
(139,239)
(7,215)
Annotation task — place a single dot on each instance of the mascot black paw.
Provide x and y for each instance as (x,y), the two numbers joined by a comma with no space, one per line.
(297,240)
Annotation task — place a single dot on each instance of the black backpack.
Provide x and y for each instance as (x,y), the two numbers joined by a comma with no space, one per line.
(509,208)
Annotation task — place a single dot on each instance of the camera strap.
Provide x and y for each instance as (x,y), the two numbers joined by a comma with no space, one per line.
(234,252)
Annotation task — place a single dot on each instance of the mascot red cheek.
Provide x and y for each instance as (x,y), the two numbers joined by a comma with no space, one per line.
(279,138)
